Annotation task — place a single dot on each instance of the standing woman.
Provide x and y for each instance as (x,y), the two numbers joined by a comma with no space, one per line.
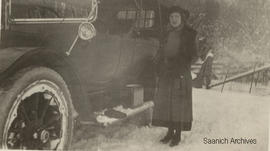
(173,100)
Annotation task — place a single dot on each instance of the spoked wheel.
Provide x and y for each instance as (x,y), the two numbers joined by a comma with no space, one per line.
(39,116)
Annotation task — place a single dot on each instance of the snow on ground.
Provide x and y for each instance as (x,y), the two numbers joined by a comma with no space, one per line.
(216,115)
(257,89)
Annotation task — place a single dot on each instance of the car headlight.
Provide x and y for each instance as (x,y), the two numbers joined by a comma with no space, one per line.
(86,31)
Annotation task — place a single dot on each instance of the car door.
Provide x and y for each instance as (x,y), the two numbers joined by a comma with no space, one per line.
(146,41)
(117,54)
(101,61)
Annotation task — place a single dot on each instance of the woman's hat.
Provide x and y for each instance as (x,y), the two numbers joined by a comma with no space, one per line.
(184,13)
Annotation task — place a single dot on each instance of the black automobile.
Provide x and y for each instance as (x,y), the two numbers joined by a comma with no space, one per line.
(62,60)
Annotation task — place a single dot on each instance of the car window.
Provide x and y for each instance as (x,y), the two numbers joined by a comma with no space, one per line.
(141,18)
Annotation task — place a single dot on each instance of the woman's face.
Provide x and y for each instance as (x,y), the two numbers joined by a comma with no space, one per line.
(175,19)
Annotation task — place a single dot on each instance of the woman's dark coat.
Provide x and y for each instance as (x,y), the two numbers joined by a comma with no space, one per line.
(173,100)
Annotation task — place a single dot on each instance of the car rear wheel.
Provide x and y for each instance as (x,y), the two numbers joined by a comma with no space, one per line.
(36,111)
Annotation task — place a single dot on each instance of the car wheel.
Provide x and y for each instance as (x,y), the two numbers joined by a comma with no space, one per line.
(36,111)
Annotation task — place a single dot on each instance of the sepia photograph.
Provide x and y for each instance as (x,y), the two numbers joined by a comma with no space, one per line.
(135,75)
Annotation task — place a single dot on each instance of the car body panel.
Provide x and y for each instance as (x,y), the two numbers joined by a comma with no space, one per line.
(9,55)
(116,56)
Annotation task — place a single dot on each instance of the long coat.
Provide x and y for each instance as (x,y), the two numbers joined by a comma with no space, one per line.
(173,99)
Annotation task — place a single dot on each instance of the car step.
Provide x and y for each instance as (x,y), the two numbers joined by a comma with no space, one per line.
(104,121)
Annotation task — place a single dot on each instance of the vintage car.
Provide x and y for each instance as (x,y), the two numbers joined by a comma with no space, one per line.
(62,60)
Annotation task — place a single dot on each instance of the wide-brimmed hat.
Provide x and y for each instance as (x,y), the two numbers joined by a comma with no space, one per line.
(184,13)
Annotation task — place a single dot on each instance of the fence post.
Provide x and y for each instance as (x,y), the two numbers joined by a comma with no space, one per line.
(257,79)
(252,79)
(224,81)
(265,77)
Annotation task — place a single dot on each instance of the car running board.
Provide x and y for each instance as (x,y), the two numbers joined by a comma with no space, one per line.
(104,121)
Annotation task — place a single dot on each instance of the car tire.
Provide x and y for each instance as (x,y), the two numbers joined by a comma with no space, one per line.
(36,111)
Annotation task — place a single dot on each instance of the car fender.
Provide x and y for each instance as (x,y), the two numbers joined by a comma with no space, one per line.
(52,59)
(10,55)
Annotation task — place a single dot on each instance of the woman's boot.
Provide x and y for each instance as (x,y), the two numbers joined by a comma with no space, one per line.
(176,137)
(168,136)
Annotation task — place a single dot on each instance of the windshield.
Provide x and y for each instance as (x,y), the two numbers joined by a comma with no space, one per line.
(49,10)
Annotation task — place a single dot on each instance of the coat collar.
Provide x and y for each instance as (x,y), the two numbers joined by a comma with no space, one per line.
(178,29)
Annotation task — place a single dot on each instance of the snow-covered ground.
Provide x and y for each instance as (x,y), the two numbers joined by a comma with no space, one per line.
(257,89)
(216,115)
